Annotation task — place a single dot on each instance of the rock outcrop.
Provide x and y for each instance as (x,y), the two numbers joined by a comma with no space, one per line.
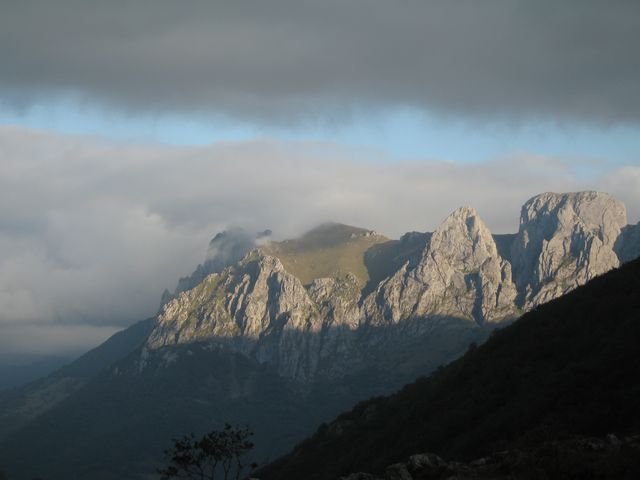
(255,306)
(576,457)
(459,275)
(564,240)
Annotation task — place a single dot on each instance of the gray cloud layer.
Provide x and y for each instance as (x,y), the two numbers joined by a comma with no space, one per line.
(286,59)
(92,232)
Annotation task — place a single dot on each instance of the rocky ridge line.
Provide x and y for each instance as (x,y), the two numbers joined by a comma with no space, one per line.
(263,311)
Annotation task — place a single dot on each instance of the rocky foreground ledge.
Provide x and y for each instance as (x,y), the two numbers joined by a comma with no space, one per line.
(577,457)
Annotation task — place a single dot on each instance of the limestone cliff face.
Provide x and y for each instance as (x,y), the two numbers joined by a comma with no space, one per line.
(256,307)
(460,275)
(260,309)
(463,272)
(328,327)
(564,240)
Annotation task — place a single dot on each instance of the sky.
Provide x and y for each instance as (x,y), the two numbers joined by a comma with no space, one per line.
(132,132)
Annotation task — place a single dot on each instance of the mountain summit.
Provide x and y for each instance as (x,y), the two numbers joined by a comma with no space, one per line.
(565,240)
(459,275)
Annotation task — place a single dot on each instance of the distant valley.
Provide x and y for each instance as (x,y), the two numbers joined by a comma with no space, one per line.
(15,372)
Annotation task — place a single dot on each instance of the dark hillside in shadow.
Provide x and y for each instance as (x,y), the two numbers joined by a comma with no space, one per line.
(571,366)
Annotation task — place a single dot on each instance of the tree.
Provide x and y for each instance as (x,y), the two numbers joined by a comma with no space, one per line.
(216,452)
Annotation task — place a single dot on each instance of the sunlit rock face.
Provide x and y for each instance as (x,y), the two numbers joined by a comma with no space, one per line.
(255,306)
(260,309)
(456,276)
(564,240)
(459,275)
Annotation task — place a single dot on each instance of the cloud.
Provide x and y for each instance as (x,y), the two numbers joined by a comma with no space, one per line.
(91,232)
(287,60)
(29,341)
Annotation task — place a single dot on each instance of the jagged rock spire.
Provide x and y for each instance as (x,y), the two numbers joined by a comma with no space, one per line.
(463,274)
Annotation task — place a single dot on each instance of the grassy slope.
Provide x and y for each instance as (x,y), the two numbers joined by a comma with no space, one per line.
(334,249)
(571,365)
(330,250)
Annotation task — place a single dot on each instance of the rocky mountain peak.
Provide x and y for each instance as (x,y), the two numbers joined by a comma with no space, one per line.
(595,212)
(460,275)
(565,240)
(463,237)
(461,268)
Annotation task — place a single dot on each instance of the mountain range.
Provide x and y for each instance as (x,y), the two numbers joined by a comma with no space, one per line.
(285,335)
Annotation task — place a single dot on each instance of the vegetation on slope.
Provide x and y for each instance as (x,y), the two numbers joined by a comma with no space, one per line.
(333,250)
(330,250)
(570,366)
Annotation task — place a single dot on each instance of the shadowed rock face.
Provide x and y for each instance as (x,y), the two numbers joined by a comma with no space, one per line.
(628,244)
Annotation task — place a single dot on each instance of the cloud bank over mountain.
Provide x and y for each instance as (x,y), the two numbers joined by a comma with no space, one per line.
(91,232)
(288,60)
